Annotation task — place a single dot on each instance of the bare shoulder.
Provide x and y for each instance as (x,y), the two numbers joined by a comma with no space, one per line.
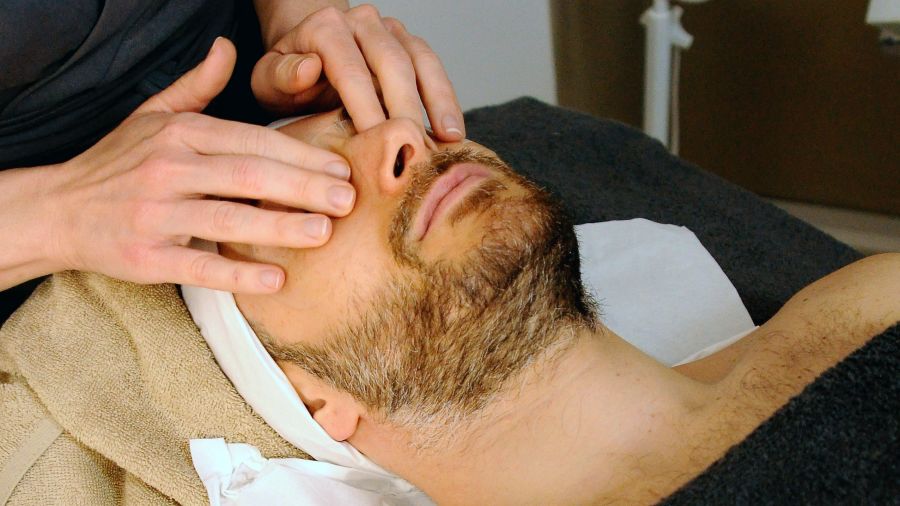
(863,295)
(819,326)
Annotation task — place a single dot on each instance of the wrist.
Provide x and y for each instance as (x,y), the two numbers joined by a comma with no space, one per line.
(58,214)
(27,228)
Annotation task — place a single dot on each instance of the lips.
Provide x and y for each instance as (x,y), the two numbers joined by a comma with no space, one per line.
(446,191)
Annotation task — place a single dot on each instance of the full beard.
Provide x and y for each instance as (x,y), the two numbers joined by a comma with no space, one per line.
(432,349)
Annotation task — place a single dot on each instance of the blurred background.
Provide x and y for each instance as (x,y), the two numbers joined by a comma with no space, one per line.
(796,101)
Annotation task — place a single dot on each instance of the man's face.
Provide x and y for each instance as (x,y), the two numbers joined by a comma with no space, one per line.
(450,275)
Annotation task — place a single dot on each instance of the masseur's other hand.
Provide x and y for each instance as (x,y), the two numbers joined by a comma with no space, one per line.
(350,46)
(129,205)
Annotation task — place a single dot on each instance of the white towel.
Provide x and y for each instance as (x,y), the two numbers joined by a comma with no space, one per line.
(660,290)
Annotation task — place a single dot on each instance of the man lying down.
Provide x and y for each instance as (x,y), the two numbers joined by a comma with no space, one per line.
(443,332)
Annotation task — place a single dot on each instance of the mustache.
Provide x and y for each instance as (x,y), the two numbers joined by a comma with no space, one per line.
(424,175)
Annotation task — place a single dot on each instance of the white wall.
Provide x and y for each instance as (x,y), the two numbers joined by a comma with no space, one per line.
(493,50)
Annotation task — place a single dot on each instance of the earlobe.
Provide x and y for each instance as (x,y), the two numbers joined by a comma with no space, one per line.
(339,418)
(335,411)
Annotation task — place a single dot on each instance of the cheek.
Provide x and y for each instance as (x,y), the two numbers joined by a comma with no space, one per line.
(326,285)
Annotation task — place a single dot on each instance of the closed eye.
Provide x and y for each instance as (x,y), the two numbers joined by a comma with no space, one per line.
(344,122)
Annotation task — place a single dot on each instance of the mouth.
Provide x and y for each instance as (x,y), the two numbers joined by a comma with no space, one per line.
(447,191)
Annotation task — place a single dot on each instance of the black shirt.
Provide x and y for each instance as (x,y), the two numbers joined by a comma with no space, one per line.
(71,71)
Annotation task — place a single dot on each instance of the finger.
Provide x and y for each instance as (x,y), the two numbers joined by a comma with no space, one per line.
(213,136)
(279,80)
(224,221)
(200,268)
(435,88)
(194,90)
(251,177)
(390,63)
(327,34)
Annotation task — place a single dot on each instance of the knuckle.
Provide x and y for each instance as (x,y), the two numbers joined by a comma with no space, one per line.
(225,218)
(236,277)
(179,126)
(200,269)
(421,47)
(318,32)
(367,12)
(398,60)
(285,225)
(442,94)
(144,216)
(328,16)
(245,176)
(394,25)
(350,75)
(136,256)
(173,130)
(428,60)
(255,140)
(304,188)
(157,170)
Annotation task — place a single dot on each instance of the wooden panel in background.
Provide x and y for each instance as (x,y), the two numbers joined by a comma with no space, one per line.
(793,100)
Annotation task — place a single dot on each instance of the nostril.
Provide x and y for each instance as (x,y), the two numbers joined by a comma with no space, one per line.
(403,154)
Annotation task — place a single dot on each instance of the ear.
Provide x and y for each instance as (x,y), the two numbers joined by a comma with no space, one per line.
(339,417)
(337,412)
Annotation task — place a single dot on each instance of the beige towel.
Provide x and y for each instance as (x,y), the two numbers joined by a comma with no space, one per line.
(124,371)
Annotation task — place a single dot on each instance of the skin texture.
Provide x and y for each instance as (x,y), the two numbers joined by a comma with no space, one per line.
(432,347)
(128,206)
(598,422)
(323,52)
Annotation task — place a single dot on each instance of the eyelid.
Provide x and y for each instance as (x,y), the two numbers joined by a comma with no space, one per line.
(344,121)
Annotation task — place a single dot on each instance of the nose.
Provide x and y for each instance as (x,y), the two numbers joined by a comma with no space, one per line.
(381,156)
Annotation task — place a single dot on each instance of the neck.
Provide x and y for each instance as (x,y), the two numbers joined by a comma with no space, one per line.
(604,420)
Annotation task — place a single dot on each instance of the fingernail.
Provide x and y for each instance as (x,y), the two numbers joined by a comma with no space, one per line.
(299,66)
(451,125)
(337,169)
(315,226)
(212,48)
(341,196)
(270,279)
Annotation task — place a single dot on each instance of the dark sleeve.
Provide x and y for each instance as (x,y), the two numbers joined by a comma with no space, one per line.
(134,49)
(91,73)
(38,35)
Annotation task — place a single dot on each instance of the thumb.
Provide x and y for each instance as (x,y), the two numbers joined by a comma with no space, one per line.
(280,81)
(194,90)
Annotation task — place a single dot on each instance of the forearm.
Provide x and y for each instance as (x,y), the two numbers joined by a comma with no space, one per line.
(25,217)
(277,17)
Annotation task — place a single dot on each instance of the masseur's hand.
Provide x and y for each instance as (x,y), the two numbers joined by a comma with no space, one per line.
(346,44)
(128,206)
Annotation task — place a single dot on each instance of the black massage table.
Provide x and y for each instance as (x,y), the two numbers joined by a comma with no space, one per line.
(836,442)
